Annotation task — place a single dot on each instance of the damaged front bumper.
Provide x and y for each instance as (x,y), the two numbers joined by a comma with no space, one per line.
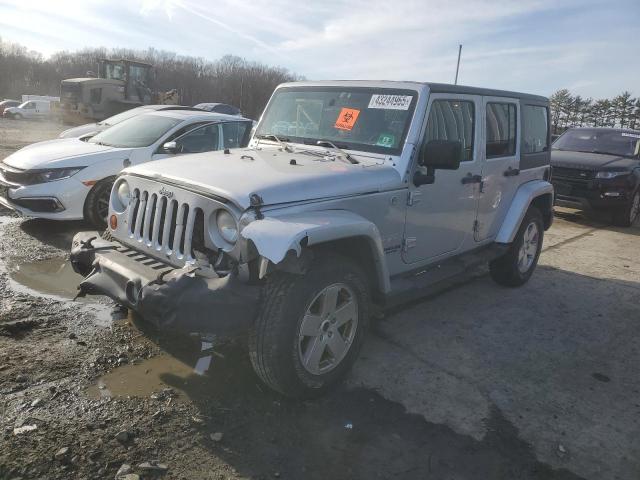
(170,298)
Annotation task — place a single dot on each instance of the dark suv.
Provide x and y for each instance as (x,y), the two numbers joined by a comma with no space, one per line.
(598,169)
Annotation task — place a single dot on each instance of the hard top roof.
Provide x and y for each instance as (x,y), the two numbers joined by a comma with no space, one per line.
(433,87)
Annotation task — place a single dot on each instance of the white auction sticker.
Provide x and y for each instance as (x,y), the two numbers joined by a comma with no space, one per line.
(632,135)
(390,102)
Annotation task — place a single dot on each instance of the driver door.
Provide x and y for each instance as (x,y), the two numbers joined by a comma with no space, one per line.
(440,216)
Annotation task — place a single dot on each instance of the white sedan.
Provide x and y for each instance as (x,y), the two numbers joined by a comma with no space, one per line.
(71,179)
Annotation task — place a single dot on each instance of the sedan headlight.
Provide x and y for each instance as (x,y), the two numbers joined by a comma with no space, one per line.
(611,174)
(227,226)
(44,176)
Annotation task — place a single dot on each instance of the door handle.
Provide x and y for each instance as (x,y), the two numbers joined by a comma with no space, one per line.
(511,172)
(471,179)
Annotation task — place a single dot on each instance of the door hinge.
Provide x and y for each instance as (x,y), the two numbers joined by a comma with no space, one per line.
(476,226)
(414,197)
(407,243)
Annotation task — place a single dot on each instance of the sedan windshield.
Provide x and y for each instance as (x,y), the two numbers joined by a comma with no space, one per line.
(613,142)
(355,118)
(139,131)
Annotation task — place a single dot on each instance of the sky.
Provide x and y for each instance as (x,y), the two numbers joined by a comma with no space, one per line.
(535,46)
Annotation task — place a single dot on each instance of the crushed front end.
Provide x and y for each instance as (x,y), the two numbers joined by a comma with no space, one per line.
(164,257)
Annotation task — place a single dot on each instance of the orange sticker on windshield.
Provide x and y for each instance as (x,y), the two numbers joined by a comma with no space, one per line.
(347,118)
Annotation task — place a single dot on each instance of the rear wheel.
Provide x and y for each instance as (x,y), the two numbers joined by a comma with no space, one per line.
(516,266)
(96,207)
(311,327)
(628,215)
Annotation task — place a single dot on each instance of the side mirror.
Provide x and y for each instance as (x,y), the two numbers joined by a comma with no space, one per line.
(441,155)
(437,155)
(170,147)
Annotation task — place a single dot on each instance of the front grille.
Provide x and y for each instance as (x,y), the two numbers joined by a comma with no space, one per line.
(165,225)
(573,173)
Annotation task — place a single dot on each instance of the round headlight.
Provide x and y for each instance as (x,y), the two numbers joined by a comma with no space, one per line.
(122,196)
(123,193)
(227,226)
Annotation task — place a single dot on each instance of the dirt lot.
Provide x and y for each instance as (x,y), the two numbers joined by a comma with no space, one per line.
(478,382)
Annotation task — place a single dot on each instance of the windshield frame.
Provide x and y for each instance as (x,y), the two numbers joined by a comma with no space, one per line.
(345,145)
(595,131)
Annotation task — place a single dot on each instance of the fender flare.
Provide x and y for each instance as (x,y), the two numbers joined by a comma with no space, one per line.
(275,237)
(525,195)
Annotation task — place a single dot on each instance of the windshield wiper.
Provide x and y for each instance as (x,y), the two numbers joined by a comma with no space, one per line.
(271,136)
(327,143)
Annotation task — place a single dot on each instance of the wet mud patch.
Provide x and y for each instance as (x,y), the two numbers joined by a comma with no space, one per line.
(51,276)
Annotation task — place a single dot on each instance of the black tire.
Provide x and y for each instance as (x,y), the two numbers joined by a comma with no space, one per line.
(507,270)
(94,205)
(276,339)
(627,215)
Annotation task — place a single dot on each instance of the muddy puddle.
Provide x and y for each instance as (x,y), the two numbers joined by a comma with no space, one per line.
(53,276)
(184,371)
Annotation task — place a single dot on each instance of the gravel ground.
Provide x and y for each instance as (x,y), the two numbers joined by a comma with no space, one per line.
(478,382)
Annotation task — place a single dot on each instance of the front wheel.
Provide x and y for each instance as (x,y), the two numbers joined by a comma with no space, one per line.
(96,207)
(626,216)
(311,327)
(17,116)
(516,266)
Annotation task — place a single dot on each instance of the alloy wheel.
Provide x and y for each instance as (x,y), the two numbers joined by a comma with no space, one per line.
(529,248)
(328,328)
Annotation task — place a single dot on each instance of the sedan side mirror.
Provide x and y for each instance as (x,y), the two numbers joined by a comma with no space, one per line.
(170,147)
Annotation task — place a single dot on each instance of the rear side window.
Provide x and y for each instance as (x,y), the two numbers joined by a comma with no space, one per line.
(501,130)
(452,120)
(534,129)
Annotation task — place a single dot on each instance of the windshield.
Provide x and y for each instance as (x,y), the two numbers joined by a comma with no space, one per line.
(366,119)
(139,131)
(124,116)
(614,142)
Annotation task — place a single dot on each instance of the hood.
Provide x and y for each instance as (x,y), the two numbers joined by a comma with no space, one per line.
(63,152)
(76,132)
(270,174)
(590,161)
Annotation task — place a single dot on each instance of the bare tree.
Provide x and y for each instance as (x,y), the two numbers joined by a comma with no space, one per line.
(230,79)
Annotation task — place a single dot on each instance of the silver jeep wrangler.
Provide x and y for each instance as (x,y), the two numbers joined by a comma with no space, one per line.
(351,197)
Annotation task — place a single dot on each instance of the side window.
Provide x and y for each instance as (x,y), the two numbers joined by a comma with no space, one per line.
(534,129)
(452,120)
(96,95)
(501,130)
(182,131)
(203,139)
(30,105)
(234,134)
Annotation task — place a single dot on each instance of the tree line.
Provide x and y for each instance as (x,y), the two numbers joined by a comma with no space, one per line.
(569,110)
(231,79)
